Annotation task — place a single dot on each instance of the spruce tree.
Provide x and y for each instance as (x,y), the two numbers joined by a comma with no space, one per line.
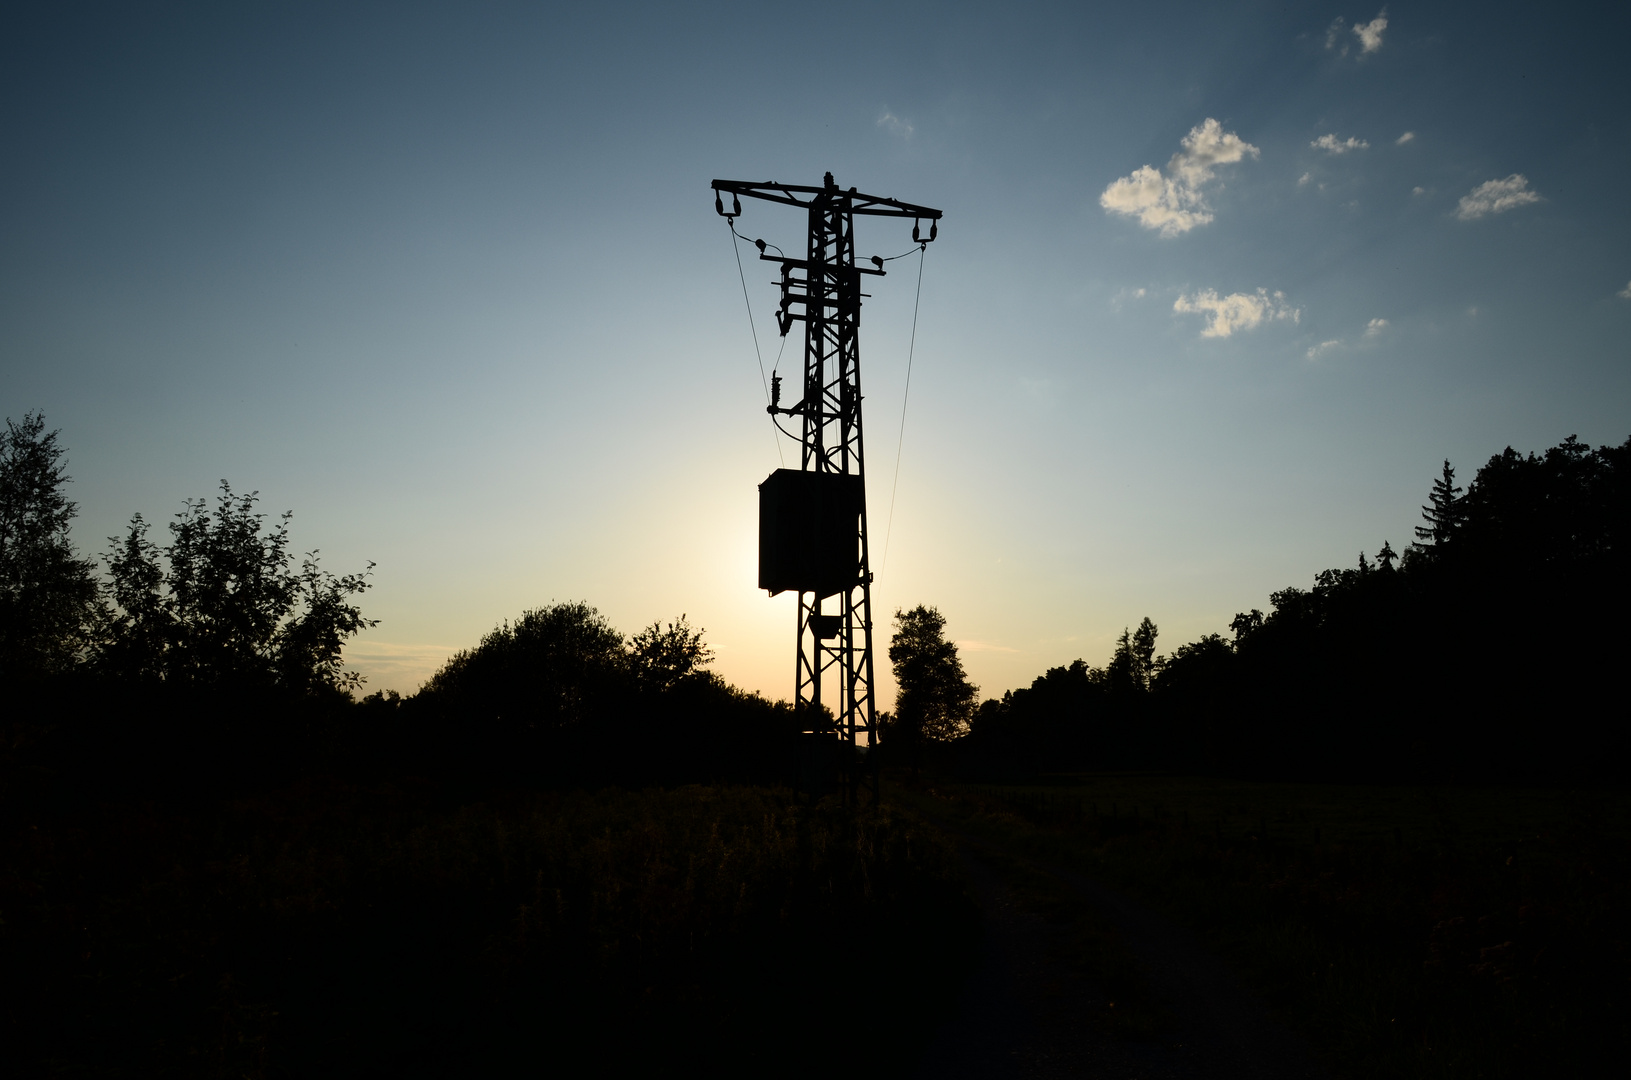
(1443,511)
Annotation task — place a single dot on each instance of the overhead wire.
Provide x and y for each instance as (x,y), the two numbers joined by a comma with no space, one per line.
(763,382)
(889,528)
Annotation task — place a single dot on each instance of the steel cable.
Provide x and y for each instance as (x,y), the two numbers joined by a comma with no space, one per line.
(736,249)
(889,529)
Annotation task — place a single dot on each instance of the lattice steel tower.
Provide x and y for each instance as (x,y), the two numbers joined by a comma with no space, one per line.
(812,520)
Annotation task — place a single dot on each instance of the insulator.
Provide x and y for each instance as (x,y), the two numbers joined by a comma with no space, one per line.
(877,262)
(914,232)
(736,206)
(719,207)
(760,244)
(934,227)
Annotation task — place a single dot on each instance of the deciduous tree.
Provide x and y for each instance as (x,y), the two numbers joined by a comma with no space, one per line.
(221,606)
(934,697)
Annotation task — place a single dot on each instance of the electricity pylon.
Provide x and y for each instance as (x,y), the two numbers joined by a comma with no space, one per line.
(812,530)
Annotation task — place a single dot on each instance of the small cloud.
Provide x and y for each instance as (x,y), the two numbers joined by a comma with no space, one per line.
(1375,326)
(1496,197)
(1304,178)
(1418,190)
(982,646)
(1370,34)
(1124,295)
(1409,136)
(1625,293)
(1316,351)
(1332,145)
(1171,200)
(1334,32)
(1237,311)
(895,125)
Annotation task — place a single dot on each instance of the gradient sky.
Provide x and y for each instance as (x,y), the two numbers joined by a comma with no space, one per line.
(1217,289)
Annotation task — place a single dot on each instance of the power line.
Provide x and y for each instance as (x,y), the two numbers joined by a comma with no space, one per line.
(889,529)
(736,249)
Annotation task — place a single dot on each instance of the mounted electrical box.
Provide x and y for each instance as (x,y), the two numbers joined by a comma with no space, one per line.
(810,532)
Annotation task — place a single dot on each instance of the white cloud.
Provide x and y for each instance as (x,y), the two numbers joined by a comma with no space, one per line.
(895,125)
(1625,293)
(1315,351)
(1237,311)
(1496,197)
(982,646)
(1333,32)
(1304,178)
(1418,190)
(1408,136)
(1332,145)
(1370,34)
(1172,200)
(1375,326)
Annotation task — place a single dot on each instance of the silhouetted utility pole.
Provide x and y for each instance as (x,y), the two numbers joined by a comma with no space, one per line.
(812,520)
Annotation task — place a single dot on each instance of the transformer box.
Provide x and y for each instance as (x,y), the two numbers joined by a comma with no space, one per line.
(810,532)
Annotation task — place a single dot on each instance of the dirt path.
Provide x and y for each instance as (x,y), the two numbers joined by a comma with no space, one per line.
(1026,1012)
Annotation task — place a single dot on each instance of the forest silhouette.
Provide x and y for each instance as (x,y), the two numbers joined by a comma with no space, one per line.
(1484,652)
(221,857)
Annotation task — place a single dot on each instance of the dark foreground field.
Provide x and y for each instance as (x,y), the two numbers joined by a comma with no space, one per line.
(1133,926)
(335,930)
(1403,932)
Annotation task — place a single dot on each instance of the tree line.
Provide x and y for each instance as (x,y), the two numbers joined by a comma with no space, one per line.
(1488,650)
(214,656)
(1485,650)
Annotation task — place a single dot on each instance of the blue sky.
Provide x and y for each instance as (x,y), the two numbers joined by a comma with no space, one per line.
(1216,291)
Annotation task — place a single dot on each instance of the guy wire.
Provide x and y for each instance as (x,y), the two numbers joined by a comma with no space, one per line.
(889,529)
(754,330)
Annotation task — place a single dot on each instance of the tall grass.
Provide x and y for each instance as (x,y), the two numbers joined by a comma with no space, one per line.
(1411,932)
(336,930)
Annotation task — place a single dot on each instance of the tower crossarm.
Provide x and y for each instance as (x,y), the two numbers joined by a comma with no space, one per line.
(799,195)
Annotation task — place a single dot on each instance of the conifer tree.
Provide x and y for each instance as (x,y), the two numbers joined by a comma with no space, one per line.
(1443,511)
(48,595)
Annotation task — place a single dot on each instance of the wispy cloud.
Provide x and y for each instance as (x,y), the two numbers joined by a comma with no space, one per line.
(1315,351)
(1304,178)
(1409,136)
(1625,293)
(982,646)
(1172,200)
(396,666)
(895,125)
(1370,34)
(1375,326)
(1496,197)
(1418,190)
(1237,311)
(1333,145)
(1124,295)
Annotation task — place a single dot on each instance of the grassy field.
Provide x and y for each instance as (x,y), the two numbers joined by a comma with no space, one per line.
(331,929)
(1409,931)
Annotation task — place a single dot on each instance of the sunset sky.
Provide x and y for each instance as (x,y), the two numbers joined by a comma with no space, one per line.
(1217,290)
